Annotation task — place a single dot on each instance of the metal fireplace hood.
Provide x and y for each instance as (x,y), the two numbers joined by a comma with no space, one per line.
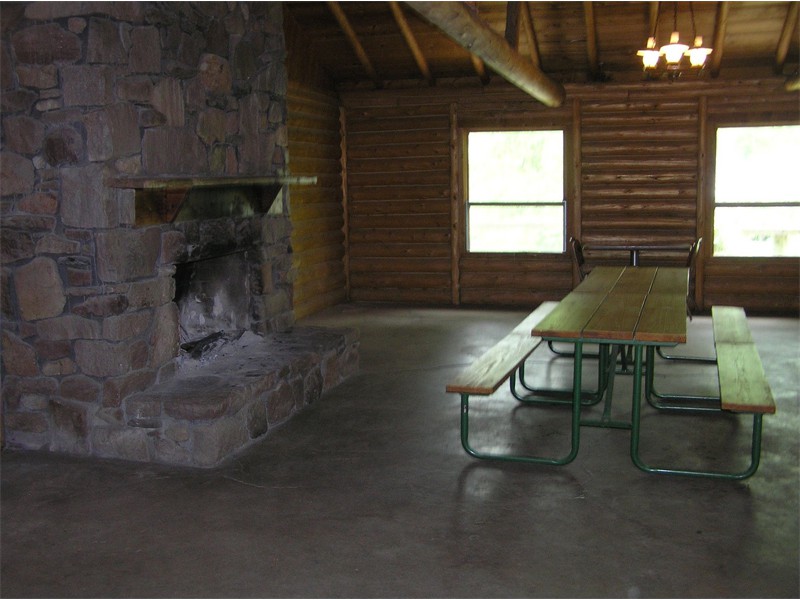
(167,199)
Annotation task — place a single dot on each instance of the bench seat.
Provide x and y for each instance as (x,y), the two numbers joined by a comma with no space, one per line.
(743,384)
(493,367)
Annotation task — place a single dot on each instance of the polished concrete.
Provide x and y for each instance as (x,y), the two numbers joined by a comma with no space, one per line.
(368,493)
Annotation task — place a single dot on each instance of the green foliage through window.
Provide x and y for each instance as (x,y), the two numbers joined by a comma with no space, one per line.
(515,191)
(756,197)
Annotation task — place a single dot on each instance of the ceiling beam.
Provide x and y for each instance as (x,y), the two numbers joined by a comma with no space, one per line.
(411,41)
(351,36)
(512,24)
(530,34)
(464,28)
(785,40)
(591,40)
(720,25)
(652,16)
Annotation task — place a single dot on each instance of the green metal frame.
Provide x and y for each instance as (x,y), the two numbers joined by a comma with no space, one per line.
(676,403)
(575,426)
(755,446)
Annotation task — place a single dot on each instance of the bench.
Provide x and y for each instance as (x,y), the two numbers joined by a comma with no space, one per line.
(743,385)
(498,364)
(493,367)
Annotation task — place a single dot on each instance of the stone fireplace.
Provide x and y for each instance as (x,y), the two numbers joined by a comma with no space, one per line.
(145,207)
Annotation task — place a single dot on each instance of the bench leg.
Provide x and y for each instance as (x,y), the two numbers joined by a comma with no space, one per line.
(709,360)
(575,426)
(755,445)
(674,402)
(563,396)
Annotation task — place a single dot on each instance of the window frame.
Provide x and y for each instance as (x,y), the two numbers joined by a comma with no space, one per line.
(711,204)
(566,194)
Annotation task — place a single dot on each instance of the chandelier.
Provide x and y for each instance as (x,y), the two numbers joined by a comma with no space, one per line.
(675,51)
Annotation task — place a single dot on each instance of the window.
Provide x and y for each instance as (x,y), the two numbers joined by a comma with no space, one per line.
(756,197)
(515,191)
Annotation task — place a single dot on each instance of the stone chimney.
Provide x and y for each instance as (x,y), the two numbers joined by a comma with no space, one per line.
(93,91)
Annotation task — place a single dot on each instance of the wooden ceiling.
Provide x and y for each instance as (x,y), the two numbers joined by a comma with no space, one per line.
(385,44)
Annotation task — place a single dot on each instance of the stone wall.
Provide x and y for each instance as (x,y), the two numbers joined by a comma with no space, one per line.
(94,90)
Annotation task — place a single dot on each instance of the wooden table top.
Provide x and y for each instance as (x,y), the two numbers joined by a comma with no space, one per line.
(623,304)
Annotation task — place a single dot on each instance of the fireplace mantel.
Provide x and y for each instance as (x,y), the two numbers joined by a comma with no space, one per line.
(159,199)
(184,182)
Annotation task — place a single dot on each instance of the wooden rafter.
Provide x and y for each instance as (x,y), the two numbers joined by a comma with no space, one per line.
(351,36)
(462,26)
(591,40)
(477,63)
(720,25)
(512,24)
(789,25)
(652,15)
(530,33)
(411,41)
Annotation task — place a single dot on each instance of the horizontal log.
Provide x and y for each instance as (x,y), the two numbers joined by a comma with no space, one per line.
(398,208)
(404,165)
(400,222)
(401,192)
(407,236)
(400,264)
(380,138)
(400,250)
(387,126)
(420,177)
(404,296)
(403,280)
(391,152)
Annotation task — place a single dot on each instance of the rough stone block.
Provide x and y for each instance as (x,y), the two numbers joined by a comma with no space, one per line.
(40,291)
(87,85)
(152,293)
(80,387)
(85,200)
(16,246)
(127,444)
(159,155)
(115,390)
(39,203)
(145,54)
(64,146)
(19,358)
(46,44)
(136,88)
(284,400)
(60,367)
(53,244)
(167,98)
(99,358)
(38,76)
(124,255)
(165,338)
(105,43)
(16,173)
(215,74)
(68,327)
(23,135)
(102,306)
(70,427)
(123,327)
(25,421)
(215,442)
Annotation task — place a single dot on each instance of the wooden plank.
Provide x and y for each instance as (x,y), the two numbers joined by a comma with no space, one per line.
(494,366)
(742,382)
(571,316)
(617,317)
(730,325)
(663,319)
(669,280)
(635,280)
(601,279)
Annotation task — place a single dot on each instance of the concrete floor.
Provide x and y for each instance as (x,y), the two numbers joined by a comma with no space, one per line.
(368,493)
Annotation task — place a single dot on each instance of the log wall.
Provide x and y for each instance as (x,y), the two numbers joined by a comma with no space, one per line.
(317,212)
(637,171)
